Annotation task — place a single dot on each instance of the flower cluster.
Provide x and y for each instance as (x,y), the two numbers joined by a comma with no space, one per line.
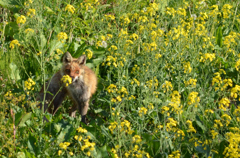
(62,36)
(66,79)
(13,43)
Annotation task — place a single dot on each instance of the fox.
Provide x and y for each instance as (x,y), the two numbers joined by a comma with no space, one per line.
(83,86)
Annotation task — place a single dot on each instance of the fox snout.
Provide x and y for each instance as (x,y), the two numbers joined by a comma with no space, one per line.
(74,78)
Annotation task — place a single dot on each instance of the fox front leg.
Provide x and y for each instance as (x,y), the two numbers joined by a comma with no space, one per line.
(82,108)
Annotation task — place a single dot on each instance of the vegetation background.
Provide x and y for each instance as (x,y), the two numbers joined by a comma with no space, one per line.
(168,75)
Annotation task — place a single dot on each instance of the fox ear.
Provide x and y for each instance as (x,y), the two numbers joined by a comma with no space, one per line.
(67,58)
(82,60)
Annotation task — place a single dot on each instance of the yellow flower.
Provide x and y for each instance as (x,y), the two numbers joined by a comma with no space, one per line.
(208,56)
(190,127)
(142,111)
(193,98)
(59,152)
(89,53)
(112,126)
(39,53)
(168,86)
(81,130)
(191,82)
(28,85)
(234,91)
(67,80)
(59,51)
(13,43)
(224,103)
(62,36)
(71,153)
(64,145)
(214,133)
(29,31)
(170,126)
(134,36)
(232,150)
(136,139)
(237,65)
(88,153)
(21,19)
(70,8)
(187,67)
(119,98)
(31,12)
(157,56)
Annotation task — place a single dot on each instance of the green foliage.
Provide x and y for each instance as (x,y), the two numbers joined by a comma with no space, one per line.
(168,78)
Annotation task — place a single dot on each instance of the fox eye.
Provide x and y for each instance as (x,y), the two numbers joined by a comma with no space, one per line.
(77,72)
(67,70)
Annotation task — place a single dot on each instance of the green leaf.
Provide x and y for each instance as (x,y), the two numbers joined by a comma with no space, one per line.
(90,65)
(43,41)
(18,117)
(32,144)
(199,123)
(79,51)
(29,155)
(98,110)
(24,119)
(11,29)
(14,74)
(73,47)
(219,36)
(13,5)
(49,10)
(54,44)
(162,6)
(19,37)
(102,151)
(65,134)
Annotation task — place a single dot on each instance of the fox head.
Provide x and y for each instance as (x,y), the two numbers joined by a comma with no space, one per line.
(73,66)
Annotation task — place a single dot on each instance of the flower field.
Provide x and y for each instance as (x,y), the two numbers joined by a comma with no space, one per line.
(168,78)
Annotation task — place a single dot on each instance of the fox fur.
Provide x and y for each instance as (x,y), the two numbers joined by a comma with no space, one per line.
(84,84)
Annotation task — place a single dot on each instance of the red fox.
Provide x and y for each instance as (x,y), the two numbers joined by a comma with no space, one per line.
(84,84)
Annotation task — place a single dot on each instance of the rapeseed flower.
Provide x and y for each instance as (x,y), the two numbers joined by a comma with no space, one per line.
(234,91)
(193,98)
(187,67)
(28,85)
(142,111)
(21,19)
(136,139)
(64,145)
(31,12)
(81,130)
(59,152)
(112,126)
(89,53)
(232,150)
(167,86)
(192,82)
(214,134)
(13,43)
(171,124)
(62,36)
(70,8)
(66,79)
(208,56)
(224,103)
(29,30)
(190,127)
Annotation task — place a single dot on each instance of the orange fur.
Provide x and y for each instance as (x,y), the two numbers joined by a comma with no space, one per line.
(84,84)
